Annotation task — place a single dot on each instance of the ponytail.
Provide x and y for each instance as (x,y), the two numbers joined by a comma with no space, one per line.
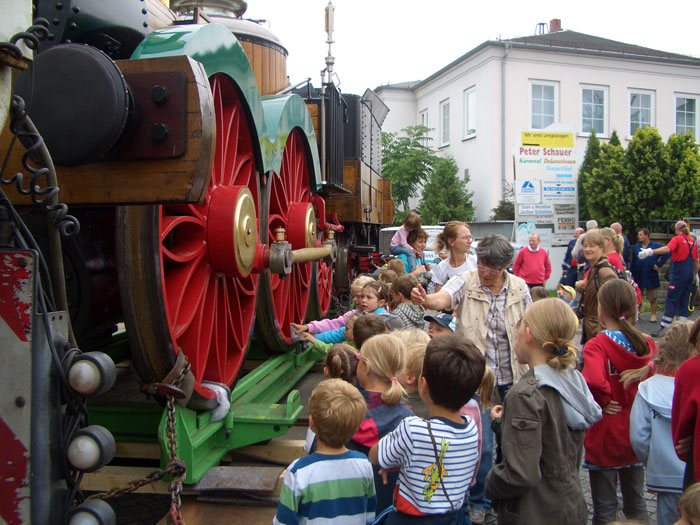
(618,300)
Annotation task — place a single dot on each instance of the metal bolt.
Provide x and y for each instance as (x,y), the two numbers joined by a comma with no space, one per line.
(59,5)
(56,21)
(73,25)
(22,263)
(20,402)
(76,9)
(145,24)
(160,94)
(144,11)
(51,36)
(159,131)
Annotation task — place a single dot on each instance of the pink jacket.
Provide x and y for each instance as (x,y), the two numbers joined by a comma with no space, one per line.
(471,409)
(324,325)
(400,238)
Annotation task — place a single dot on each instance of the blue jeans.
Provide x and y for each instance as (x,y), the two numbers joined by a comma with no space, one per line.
(667,507)
(410,255)
(477,494)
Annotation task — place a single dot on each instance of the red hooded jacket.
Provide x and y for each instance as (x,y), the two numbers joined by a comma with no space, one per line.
(607,443)
(685,412)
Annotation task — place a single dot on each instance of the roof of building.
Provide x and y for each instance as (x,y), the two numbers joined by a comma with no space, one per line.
(565,40)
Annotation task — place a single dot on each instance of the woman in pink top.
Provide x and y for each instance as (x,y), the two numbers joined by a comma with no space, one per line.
(613,248)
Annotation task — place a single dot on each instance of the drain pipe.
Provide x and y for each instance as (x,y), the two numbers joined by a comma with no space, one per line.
(503,121)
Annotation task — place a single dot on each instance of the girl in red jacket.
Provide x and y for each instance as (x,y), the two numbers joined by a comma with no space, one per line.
(609,455)
(685,414)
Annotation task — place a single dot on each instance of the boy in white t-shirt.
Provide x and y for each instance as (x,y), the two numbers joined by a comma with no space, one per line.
(437,457)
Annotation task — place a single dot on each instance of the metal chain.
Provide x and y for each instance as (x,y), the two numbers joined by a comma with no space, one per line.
(176,468)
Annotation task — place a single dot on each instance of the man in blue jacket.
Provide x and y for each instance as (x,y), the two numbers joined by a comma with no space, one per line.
(646,271)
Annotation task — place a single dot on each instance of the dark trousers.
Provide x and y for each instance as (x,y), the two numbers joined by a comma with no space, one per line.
(604,494)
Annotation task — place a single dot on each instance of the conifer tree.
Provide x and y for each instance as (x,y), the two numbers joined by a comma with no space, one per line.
(445,197)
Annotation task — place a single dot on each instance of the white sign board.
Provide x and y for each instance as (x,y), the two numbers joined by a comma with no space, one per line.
(528,192)
(565,223)
(559,191)
(536,209)
(561,239)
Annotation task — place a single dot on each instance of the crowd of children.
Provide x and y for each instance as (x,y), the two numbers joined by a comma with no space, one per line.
(395,431)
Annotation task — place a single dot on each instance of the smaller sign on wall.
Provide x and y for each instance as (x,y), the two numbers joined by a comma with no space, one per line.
(564,223)
(561,239)
(528,192)
(536,209)
(559,191)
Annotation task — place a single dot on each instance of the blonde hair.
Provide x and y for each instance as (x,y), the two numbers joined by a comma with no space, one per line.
(448,232)
(486,388)
(689,504)
(361,281)
(618,242)
(415,353)
(386,356)
(674,349)
(337,408)
(553,325)
(341,363)
(397,265)
(593,237)
(412,335)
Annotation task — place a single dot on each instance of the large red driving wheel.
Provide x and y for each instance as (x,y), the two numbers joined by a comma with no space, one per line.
(285,300)
(321,288)
(200,290)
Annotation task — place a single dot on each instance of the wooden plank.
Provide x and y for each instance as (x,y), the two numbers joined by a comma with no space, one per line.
(182,179)
(278,450)
(109,477)
(137,450)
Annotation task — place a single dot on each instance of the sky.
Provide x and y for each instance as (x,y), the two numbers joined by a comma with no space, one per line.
(389,41)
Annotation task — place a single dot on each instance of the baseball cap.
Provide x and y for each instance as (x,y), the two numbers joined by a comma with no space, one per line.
(567,289)
(445,320)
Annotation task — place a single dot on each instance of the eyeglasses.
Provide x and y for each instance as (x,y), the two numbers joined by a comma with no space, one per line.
(488,271)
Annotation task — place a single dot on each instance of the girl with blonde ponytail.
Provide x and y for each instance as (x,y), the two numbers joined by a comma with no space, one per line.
(382,359)
(544,418)
(609,454)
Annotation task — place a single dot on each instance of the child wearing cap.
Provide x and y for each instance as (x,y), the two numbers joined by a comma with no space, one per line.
(440,324)
(566,293)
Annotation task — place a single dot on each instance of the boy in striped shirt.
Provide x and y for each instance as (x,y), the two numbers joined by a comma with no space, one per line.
(437,457)
(334,484)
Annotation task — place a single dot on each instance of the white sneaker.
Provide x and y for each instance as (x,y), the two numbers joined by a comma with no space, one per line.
(477,516)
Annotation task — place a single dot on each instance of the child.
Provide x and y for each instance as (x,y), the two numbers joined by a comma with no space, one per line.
(409,378)
(538,292)
(397,266)
(325,325)
(440,324)
(412,335)
(382,359)
(438,457)
(544,418)
(339,363)
(650,421)
(685,416)
(417,240)
(689,506)
(333,482)
(320,348)
(375,296)
(399,242)
(411,314)
(472,410)
(388,277)
(566,293)
(366,326)
(609,454)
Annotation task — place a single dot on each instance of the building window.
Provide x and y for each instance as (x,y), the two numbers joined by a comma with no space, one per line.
(641,110)
(469,112)
(594,109)
(543,104)
(424,118)
(687,115)
(445,122)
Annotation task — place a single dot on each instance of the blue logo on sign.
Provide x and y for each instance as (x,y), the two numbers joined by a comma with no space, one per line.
(528,187)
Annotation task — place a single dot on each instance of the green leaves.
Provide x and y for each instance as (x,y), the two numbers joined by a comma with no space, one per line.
(408,161)
(647,181)
(445,197)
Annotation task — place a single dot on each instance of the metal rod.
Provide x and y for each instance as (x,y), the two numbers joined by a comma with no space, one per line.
(303,255)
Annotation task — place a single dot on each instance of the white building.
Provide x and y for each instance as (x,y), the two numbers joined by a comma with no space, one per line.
(479,105)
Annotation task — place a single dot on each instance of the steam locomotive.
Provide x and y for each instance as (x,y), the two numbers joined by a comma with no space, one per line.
(179,205)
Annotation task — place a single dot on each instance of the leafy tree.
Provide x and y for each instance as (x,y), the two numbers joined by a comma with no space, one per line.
(505,210)
(614,139)
(604,185)
(407,161)
(445,197)
(683,176)
(589,162)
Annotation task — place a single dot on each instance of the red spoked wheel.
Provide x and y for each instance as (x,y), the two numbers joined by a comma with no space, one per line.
(321,288)
(187,269)
(285,300)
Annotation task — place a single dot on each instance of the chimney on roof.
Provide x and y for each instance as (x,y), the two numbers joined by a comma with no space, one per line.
(555,25)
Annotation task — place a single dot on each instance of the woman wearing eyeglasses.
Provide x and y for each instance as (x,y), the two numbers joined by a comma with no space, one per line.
(491,302)
(457,238)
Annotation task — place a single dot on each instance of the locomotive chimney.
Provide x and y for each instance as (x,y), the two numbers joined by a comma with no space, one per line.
(555,25)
